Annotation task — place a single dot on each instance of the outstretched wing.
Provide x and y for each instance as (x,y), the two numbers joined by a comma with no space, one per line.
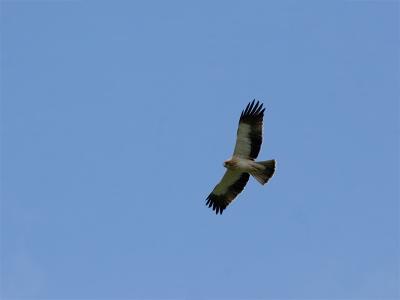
(249,133)
(226,190)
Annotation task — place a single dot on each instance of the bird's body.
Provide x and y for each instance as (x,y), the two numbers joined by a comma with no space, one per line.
(242,164)
(236,163)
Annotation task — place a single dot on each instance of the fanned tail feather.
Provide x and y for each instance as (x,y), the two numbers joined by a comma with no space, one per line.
(266,173)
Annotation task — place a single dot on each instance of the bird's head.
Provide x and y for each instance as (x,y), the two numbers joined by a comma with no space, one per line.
(228,164)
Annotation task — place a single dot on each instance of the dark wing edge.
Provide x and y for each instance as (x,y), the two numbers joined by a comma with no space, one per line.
(253,115)
(220,202)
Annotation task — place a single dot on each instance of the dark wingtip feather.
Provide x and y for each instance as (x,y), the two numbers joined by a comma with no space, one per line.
(251,107)
(259,109)
(246,110)
(255,108)
(254,111)
(216,203)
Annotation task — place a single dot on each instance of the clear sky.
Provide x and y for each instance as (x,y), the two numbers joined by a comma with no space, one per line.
(116,117)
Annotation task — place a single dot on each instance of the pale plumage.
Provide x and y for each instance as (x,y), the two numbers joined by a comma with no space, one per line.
(242,163)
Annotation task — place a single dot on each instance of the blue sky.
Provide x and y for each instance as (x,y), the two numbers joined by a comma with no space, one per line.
(116,118)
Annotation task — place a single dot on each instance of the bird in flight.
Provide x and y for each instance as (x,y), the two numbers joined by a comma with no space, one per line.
(242,164)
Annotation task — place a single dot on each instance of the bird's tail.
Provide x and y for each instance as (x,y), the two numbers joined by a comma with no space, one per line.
(267,169)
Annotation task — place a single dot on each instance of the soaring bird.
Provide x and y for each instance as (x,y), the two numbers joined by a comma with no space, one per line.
(242,164)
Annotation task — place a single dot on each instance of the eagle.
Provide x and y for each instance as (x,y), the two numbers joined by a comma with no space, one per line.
(242,164)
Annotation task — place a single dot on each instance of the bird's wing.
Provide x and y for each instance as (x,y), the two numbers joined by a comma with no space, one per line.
(226,190)
(249,133)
